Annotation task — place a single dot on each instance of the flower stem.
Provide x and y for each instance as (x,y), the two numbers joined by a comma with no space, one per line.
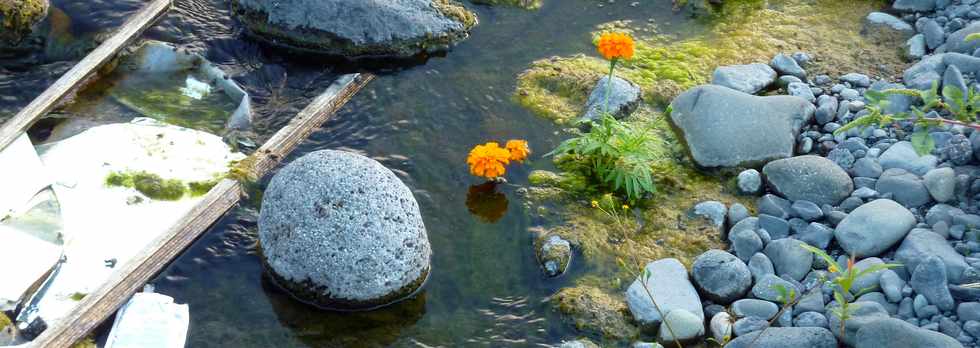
(612,68)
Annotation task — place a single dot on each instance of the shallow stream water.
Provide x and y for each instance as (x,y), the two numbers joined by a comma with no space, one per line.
(486,288)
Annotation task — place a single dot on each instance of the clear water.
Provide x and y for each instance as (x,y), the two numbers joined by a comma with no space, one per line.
(485,288)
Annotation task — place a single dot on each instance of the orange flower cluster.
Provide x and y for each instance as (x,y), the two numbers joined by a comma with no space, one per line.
(489,160)
(614,46)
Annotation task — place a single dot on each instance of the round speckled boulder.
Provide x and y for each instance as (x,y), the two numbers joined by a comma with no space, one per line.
(341,231)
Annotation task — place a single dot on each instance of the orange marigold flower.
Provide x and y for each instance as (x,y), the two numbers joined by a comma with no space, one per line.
(518,150)
(488,160)
(616,46)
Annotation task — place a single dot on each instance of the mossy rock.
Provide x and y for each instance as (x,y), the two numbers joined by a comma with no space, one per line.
(525,4)
(742,32)
(594,311)
(18,18)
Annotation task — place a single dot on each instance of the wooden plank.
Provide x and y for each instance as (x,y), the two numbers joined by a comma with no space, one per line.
(103,302)
(47,101)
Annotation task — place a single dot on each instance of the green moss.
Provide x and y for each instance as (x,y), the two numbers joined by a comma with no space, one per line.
(455,10)
(77,296)
(572,182)
(149,184)
(88,342)
(746,32)
(200,188)
(17,18)
(595,311)
(4,321)
(525,4)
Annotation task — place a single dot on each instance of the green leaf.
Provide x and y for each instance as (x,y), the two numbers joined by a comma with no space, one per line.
(922,142)
(819,252)
(971,37)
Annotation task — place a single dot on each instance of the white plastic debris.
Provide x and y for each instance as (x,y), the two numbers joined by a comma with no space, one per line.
(32,246)
(195,89)
(150,320)
(104,227)
(23,176)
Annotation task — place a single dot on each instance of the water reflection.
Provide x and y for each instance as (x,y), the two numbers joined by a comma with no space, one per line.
(486,203)
(320,328)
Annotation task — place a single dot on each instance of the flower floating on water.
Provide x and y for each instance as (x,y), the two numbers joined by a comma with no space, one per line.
(518,150)
(488,160)
(615,46)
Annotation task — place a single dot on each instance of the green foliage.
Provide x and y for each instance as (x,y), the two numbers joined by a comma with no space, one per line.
(149,184)
(962,105)
(844,283)
(620,156)
(972,37)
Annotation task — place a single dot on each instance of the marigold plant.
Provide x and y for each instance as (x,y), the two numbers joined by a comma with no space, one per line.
(615,46)
(519,150)
(488,160)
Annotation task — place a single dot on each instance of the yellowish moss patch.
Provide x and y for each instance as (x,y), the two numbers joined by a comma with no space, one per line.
(525,4)
(745,32)
(596,311)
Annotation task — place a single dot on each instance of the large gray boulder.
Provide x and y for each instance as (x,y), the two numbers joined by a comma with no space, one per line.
(922,243)
(956,42)
(18,19)
(873,228)
(341,231)
(892,332)
(670,287)
(862,314)
(356,28)
(914,5)
(721,276)
(723,127)
(781,337)
(789,258)
(929,280)
(809,178)
(748,78)
(884,28)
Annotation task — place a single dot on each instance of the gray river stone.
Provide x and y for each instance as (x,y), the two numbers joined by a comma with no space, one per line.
(340,230)
(873,228)
(789,258)
(892,332)
(782,337)
(810,178)
(956,42)
(670,286)
(786,65)
(862,314)
(356,27)
(941,183)
(922,243)
(902,155)
(748,78)
(884,28)
(914,5)
(721,276)
(929,280)
(624,98)
(723,127)
(906,188)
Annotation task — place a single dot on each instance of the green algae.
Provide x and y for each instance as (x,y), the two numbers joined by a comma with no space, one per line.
(77,296)
(156,187)
(4,321)
(17,18)
(161,97)
(595,311)
(743,32)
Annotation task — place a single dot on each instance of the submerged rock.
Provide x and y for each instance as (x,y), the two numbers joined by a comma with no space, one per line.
(340,230)
(723,127)
(553,254)
(18,19)
(358,28)
(594,311)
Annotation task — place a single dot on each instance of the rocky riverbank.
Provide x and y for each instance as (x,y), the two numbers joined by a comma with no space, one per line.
(767,132)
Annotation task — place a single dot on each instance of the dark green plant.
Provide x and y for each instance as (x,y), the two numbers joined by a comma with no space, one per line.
(620,155)
(844,283)
(963,106)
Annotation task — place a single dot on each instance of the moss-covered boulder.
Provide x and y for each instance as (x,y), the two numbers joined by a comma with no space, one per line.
(525,4)
(18,18)
(356,28)
(594,311)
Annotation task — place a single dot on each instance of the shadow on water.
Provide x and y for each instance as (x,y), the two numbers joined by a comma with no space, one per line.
(420,120)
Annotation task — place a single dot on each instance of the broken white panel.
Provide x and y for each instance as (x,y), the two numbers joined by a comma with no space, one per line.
(104,227)
(22,176)
(150,320)
(32,243)
(157,57)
